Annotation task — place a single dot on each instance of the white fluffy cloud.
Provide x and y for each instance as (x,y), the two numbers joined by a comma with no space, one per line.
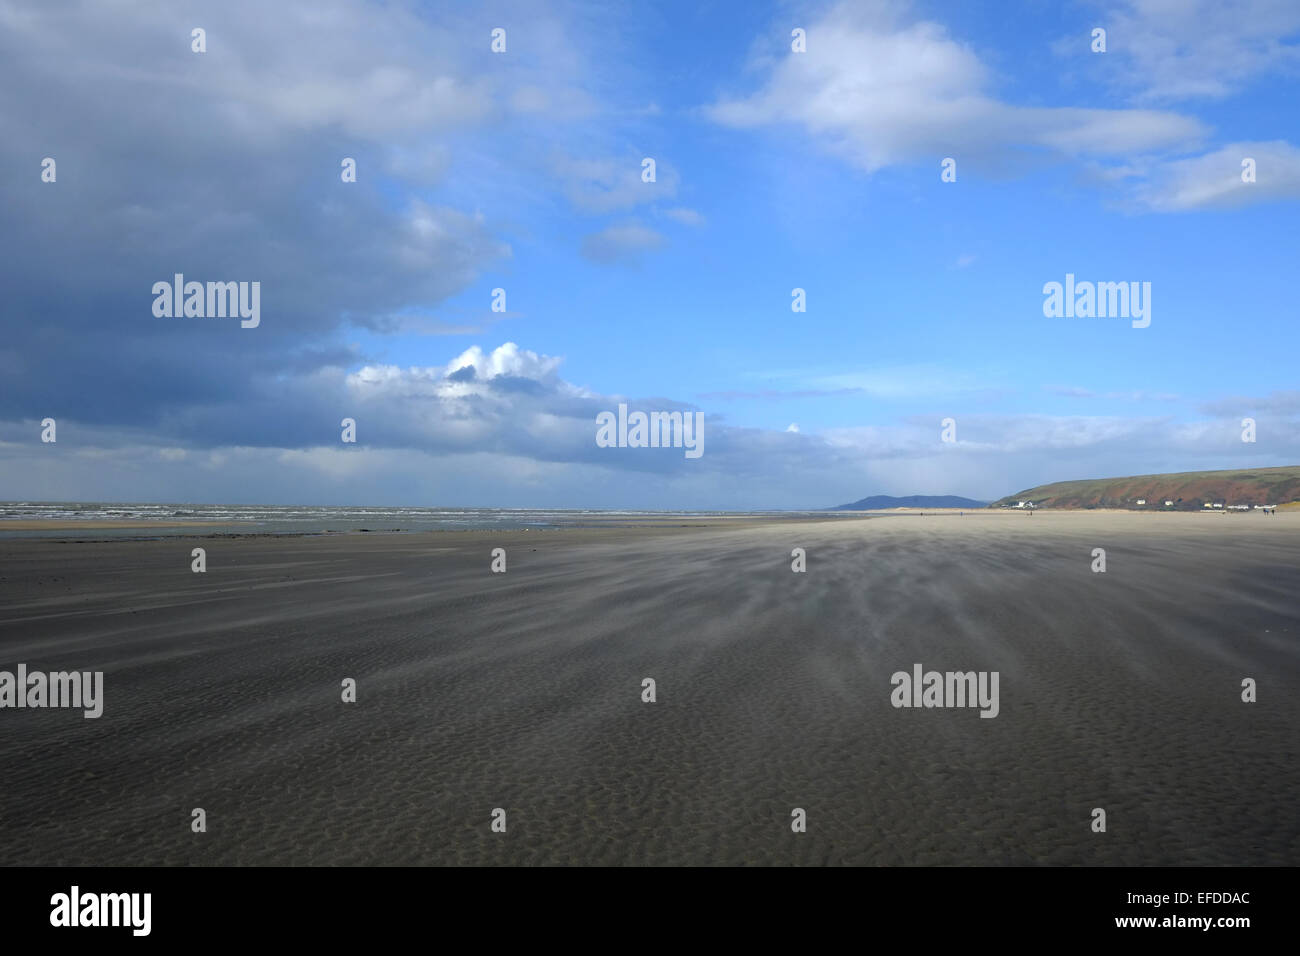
(880,93)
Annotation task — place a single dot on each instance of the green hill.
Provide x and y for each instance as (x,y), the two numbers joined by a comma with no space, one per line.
(1189,490)
(881,502)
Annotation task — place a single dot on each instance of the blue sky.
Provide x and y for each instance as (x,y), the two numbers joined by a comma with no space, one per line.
(522,171)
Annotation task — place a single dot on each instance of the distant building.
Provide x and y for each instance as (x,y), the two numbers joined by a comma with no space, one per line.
(1207,505)
(1218,504)
(1142,501)
(1169,504)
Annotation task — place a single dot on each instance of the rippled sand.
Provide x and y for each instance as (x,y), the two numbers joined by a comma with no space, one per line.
(523,691)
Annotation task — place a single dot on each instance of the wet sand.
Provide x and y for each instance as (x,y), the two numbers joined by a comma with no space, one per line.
(67,524)
(522,690)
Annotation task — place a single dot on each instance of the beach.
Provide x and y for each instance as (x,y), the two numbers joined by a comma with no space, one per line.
(523,691)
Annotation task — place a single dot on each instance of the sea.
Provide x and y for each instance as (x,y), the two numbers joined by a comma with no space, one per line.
(160,520)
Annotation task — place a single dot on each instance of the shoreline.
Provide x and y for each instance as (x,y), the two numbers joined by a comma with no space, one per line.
(99,524)
(60,527)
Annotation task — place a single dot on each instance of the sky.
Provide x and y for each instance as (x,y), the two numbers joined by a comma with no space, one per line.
(775,169)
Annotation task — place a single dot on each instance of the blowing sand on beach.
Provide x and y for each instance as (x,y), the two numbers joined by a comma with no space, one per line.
(523,690)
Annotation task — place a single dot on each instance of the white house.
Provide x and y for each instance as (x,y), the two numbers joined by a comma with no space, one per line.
(1142,501)
(1207,505)
(1169,504)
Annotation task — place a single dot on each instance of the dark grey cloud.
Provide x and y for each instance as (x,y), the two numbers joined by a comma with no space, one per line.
(225,166)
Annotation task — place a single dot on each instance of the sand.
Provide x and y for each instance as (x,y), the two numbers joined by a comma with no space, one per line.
(523,691)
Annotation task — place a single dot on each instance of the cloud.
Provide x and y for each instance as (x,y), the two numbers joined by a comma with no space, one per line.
(880,93)
(1070,391)
(503,427)
(919,380)
(424,164)
(415,322)
(621,244)
(687,217)
(226,166)
(1275,403)
(604,185)
(1174,50)
(1213,180)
